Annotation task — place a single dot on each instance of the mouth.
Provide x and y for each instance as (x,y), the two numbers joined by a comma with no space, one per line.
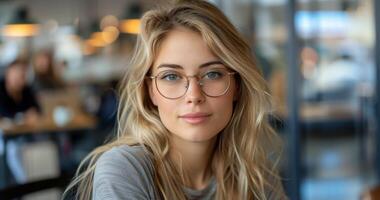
(195,118)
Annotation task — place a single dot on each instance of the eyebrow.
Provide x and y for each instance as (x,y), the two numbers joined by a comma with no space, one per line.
(175,66)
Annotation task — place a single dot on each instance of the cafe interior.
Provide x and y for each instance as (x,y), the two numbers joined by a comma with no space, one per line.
(319,58)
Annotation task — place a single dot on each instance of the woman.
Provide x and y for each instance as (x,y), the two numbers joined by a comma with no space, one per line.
(193,117)
(17,98)
(19,105)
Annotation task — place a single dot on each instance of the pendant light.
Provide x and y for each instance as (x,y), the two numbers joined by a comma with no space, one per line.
(21,25)
(131,24)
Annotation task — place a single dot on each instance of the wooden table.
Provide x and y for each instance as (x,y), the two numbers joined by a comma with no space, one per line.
(46,124)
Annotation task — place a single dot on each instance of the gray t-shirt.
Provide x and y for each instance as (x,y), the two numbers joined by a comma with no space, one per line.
(126,172)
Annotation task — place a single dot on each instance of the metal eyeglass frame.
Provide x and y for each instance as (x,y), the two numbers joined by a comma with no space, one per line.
(188,83)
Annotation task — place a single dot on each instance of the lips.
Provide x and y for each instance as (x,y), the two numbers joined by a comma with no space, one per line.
(195,118)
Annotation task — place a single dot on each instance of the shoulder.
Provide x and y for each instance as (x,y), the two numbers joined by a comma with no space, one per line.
(124,154)
(124,172)
(125,159)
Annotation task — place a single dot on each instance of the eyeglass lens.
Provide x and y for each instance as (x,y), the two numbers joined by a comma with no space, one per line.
(173,84)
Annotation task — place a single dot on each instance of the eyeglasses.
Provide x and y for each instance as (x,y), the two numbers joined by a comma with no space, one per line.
(172,84)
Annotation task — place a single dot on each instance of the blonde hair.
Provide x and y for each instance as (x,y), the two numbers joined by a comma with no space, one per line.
(242,162)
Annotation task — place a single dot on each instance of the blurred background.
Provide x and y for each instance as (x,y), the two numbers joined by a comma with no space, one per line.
(60,62)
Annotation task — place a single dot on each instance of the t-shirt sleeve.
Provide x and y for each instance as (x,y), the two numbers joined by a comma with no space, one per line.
(122,174)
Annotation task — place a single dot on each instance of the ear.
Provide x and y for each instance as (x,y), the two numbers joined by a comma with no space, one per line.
(151,92)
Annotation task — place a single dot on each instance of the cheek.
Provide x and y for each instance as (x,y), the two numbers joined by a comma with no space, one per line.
(168,116)
(223,109)
(166,108)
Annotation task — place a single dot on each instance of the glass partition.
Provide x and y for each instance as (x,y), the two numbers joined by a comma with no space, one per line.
(336,87)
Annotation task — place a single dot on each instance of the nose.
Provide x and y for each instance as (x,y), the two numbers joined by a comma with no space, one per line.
(194,92)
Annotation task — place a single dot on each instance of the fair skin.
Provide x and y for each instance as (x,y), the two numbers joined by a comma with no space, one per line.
(192,138)
(15,79)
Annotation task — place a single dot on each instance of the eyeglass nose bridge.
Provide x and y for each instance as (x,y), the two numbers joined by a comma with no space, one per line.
(199,81)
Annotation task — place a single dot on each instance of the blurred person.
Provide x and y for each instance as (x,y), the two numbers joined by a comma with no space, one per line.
(193,116)
(19,105)
(17,98)
(47,77)
(48,81)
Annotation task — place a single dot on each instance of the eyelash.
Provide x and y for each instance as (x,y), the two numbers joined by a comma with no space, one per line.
(164,76)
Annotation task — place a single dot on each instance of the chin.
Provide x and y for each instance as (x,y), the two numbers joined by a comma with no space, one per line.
(196,137)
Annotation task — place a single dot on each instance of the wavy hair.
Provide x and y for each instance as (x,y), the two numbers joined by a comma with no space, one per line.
(243,161)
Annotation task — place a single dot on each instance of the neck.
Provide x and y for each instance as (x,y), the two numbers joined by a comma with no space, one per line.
(196,160)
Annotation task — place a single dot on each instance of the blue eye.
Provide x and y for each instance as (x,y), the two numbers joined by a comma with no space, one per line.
(170,77)
(213,75)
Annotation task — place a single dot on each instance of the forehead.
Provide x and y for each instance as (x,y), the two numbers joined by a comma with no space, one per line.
(16,68)
(183,47)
